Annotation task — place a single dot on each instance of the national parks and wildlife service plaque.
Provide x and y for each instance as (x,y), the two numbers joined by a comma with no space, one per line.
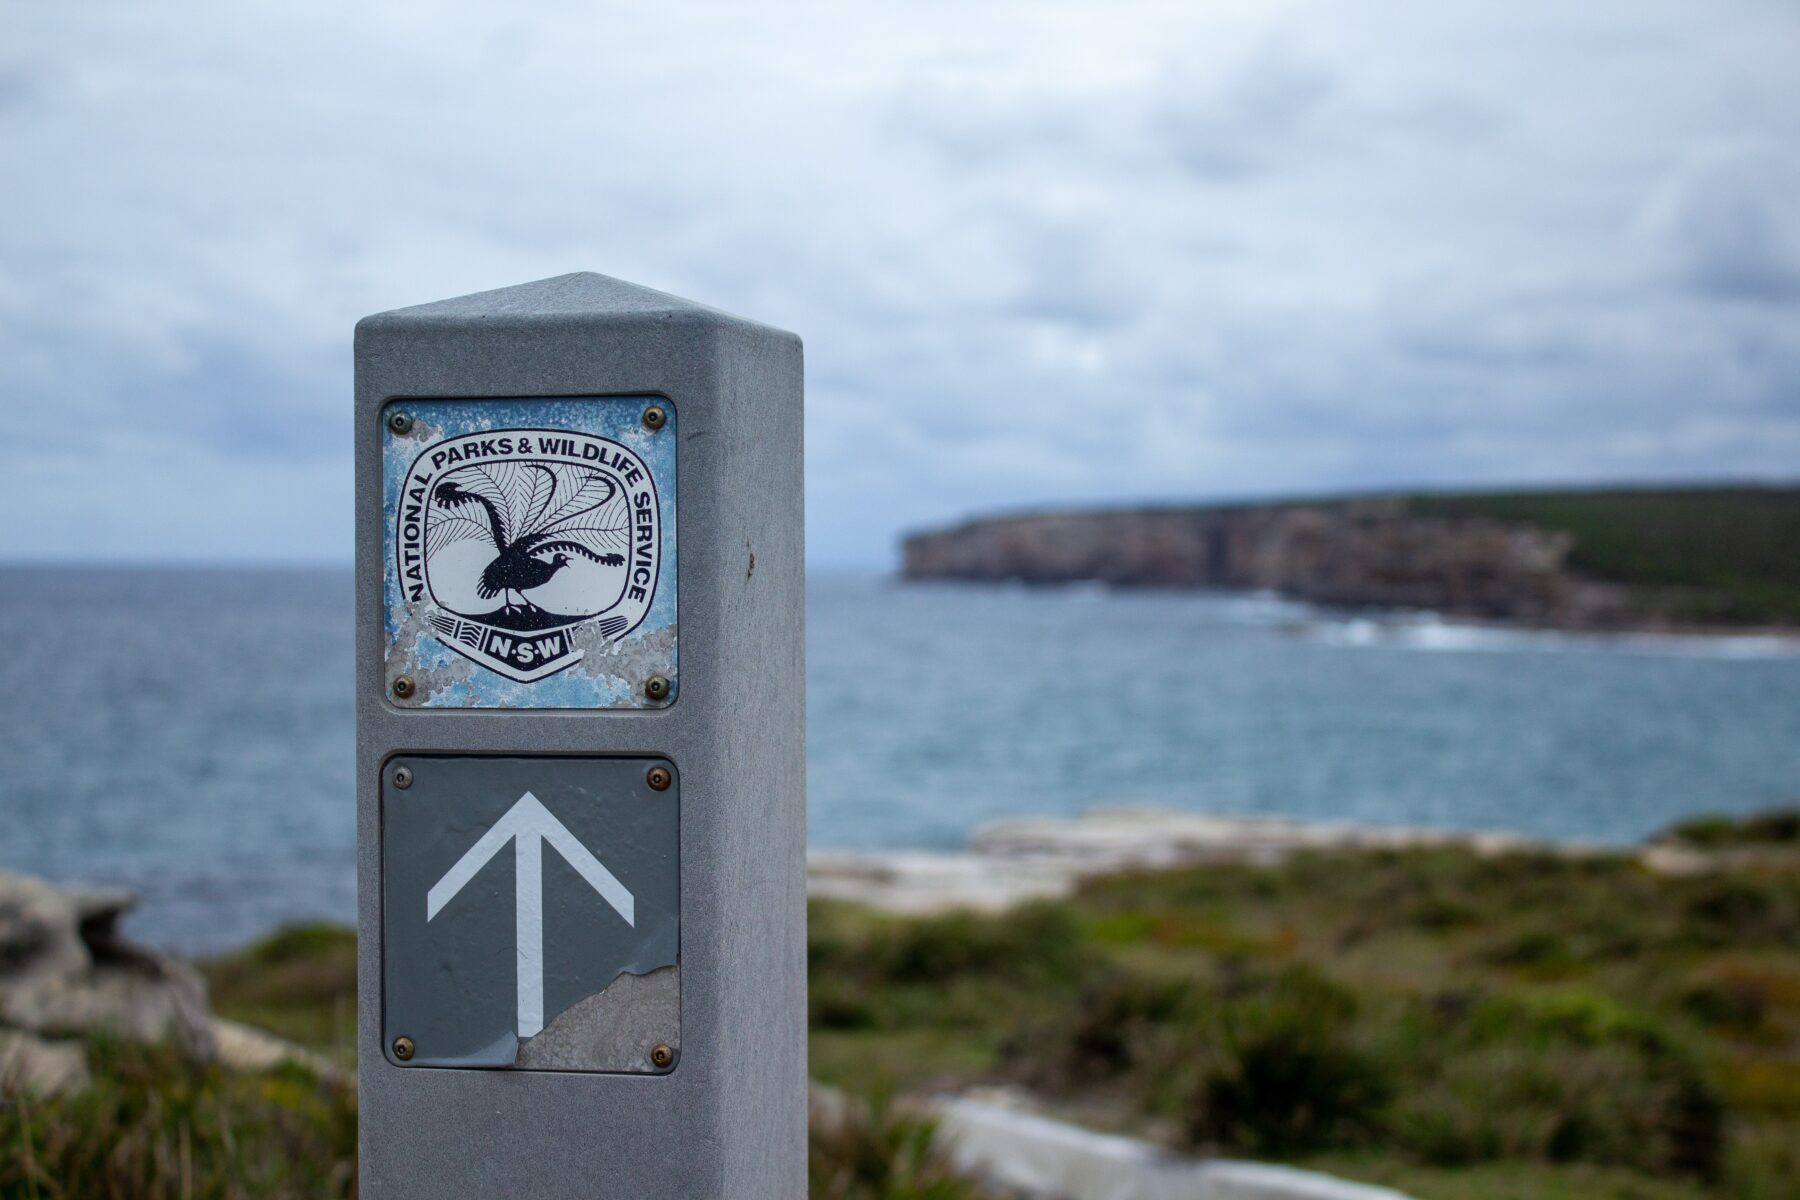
(530,552)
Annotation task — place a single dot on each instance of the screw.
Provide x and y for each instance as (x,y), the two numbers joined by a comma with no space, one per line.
(402,777)
(400,422)
(403,686)
(655,417)
(661,1055)
(657,687)
(403,1048)
(659,779)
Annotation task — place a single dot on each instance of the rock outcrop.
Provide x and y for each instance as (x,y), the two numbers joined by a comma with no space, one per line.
(1037,858)
(1362,554)
(37,1065)
(66,973)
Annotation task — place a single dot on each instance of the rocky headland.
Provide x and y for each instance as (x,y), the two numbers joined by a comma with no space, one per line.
(1700,558)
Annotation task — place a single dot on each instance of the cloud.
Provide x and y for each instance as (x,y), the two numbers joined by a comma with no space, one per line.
(16,87)
(1268,108)
(1039,252)
(1729,219)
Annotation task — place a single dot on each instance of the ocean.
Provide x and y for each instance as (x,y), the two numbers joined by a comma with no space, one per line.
(188,732)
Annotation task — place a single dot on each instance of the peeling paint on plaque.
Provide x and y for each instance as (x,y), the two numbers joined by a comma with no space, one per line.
(530,551)
(531,913)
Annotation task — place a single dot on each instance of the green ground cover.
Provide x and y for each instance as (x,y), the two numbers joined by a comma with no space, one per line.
(1532,1025)
(1720,555)
(156,1127)
(1465,1028)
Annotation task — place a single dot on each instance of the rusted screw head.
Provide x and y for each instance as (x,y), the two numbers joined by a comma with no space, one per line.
(655,417)
(657,687)
(661,1055)
(403,687)
(402,777)
(400,422)
(659,779)
(403,1048)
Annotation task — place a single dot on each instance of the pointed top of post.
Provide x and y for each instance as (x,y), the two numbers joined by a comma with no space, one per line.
(576,296)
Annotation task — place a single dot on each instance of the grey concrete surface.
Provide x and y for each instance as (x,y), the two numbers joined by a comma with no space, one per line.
(729,1119)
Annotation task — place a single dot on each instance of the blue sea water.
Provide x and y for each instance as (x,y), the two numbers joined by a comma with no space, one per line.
(188,732)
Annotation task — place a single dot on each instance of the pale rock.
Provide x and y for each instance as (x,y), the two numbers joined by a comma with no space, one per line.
(36,1067)
(246,1048)
(1000,1139)
(1009,862)
(65,971)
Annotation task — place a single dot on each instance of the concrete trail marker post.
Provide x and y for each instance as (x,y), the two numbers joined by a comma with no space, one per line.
(579,616)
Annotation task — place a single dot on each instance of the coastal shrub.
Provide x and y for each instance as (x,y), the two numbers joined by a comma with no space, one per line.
(1536,950)
(1122,929)
(1764,1161)
(955,970)
(1034,943)
(1122,1025)
(1285,1072)
(1557,1019)
(868,1150)
(1438,913)
(1598,1105)
(1738,1005)
(305,941)
(837,1002)
(1565,1076)
(299,981)
(1735,910)
(844,973)
(1775,827)
(1115,1021)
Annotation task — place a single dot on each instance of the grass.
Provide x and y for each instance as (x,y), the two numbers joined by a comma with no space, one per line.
(1713,555)
(299,982)
(1464,1028)
(873,1151)
(155,1127)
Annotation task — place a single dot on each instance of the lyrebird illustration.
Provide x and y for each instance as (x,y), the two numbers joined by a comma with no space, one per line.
(526,518)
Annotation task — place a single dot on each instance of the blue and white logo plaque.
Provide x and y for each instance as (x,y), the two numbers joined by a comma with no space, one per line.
(530,548)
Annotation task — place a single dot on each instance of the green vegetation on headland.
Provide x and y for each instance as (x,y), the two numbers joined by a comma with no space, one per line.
(1620,558)
(1729,555)
(1463,1027)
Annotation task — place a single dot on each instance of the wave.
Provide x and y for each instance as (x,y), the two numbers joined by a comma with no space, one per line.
(1432,632)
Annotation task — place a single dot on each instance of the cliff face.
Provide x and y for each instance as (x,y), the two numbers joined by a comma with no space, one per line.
(1370,553)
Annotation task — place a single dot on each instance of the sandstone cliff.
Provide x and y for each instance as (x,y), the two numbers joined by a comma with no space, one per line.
(1361,553)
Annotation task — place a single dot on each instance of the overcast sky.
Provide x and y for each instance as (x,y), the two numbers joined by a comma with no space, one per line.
(1039,252)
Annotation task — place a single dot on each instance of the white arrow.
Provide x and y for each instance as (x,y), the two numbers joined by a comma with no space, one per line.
(528,824)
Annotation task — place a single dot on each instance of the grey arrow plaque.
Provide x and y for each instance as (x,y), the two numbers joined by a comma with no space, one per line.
(531,913)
